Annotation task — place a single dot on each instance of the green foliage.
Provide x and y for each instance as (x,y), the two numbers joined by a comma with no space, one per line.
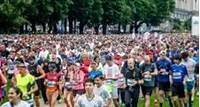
(14,14)
(182,26)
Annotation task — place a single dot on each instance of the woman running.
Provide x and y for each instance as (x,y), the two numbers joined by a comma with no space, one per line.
(68,88)
(52,82)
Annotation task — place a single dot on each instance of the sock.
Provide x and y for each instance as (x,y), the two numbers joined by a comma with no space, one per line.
(161,104)
(170,102)
(185,104)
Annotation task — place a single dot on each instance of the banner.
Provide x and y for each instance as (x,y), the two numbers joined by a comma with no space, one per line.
(195,25)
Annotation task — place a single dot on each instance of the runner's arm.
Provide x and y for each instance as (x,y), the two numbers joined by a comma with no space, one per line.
(155,71)
(33,89)
(41,71)
(13,81)
(3,78)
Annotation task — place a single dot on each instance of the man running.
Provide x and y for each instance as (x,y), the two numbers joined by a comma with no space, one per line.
(25,82)
(89,99)
(163,65)
(101,91)
(149,72)
(111,70)
(178,74)
(133,80)
(190,78)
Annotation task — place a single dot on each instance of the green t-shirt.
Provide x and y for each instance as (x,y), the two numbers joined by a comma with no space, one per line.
(24,82)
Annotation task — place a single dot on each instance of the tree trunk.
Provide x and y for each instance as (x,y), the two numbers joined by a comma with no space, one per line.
(44,27)
(65,25)
(33,27)
(124,28)
(137,25)
(104,29)
(136,29)
(50,28)
(81,26)
(70,25)
(55,30)
(21,30)
(119,28)
(131,28)
(96,28)
(74,26)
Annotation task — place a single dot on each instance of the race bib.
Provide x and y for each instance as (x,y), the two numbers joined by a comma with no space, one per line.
(109,74)
(147,77)
(130,82)
(51,83)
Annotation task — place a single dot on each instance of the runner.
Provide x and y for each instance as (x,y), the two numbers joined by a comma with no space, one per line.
(26,83)
(3,82)
(190,80)
(15,98)
(52,82)
(101,91)
(68,87)
(178,76)
(89,99)
(148,72)
(163,65)
(36,71)
(111,71)
(133,80)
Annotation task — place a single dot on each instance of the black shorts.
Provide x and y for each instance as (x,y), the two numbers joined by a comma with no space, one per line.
(165,86)
(147,90)
(178,90)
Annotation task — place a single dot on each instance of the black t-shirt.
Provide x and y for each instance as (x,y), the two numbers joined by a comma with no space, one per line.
(4,53)
(131,75)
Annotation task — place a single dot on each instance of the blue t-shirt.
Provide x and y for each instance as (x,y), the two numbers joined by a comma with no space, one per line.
(196,59)
(178,73)
(94,73)
(163,64)
(173,53)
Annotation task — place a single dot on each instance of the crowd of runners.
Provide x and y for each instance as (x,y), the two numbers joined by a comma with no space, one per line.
(99,71)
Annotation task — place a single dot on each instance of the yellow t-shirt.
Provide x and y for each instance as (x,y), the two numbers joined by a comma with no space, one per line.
(22,82)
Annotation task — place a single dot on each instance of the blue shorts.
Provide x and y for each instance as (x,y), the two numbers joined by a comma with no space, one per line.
(190,85)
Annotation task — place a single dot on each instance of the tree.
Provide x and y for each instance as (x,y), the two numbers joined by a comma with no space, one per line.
(11,17)
(151,12)
(113,11)
(95,15)
(60,10)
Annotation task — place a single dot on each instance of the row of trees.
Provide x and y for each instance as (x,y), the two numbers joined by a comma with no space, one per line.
(15,14)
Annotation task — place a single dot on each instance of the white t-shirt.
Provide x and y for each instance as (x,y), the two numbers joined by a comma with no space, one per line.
(20,104)
(111,72)
(102,92)
(190,65)
(82,101)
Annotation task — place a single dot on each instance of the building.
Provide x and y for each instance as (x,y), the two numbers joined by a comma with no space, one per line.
(185,9)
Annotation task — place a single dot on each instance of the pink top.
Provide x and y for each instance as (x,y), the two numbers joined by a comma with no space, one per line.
(78,80)
(53,76)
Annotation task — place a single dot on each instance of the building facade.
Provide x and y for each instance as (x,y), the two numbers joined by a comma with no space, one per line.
(185,9)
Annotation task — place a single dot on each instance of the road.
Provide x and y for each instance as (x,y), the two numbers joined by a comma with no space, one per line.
(57,105)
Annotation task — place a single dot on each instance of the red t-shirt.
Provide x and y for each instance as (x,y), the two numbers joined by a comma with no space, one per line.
(52,79)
